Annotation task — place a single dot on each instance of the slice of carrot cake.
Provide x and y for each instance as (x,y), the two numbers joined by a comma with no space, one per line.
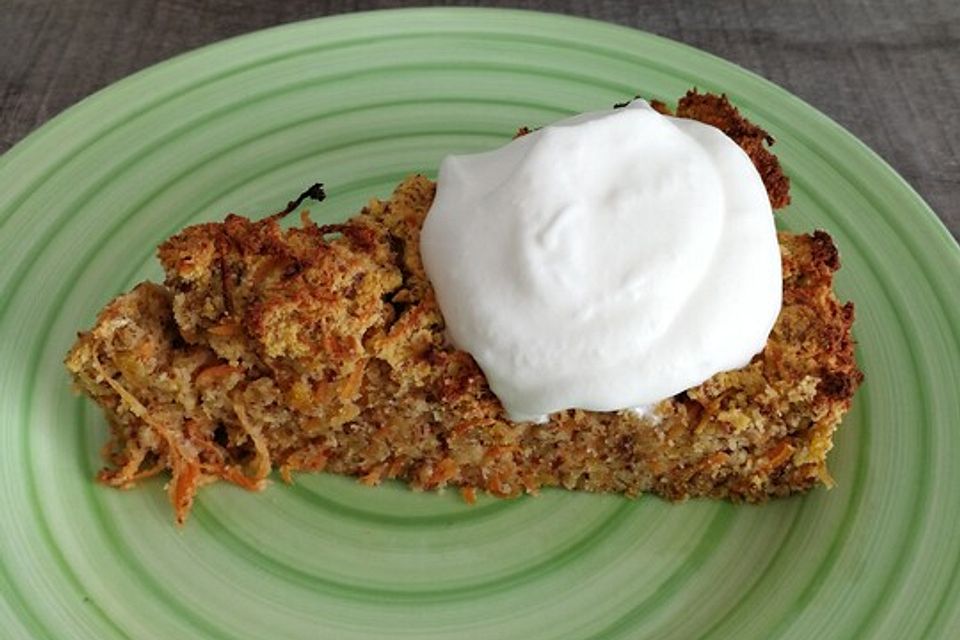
(322,348)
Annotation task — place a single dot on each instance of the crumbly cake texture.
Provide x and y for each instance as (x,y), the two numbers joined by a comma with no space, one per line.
(321,348)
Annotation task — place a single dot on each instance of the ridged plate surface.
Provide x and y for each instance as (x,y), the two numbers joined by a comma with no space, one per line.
(359,102)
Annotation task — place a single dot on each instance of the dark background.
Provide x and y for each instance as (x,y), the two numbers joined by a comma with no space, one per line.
(888,71)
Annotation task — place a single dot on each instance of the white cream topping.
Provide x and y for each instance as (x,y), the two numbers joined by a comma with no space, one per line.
(607,261)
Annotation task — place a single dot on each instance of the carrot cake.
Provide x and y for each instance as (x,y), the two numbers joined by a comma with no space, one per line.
(322,348)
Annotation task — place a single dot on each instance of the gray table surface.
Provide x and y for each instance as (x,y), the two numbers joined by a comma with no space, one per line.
(887,70)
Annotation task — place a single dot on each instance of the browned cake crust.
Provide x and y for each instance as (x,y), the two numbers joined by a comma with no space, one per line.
(322,348)
(717,111)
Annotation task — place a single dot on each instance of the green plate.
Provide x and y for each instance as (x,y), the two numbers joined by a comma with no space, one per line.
(359,102)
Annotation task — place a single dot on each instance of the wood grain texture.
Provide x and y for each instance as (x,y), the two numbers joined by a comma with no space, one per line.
(888,71)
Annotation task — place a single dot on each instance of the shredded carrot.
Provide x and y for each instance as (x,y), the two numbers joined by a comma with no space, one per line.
(262,464)
(352,385)
(445,470)
(395,467)
(145,349)
(498,451)
(182,489)
(191,428)
(372,477)
(778,455)
(495,487)
(469,425)
(211,374)
(304,460)
(231,473)
(225,329)
(713,460)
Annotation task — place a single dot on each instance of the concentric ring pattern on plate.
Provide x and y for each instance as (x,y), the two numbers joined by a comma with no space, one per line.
(358,102)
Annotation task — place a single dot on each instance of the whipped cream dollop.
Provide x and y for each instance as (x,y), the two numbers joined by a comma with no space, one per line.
(607,261)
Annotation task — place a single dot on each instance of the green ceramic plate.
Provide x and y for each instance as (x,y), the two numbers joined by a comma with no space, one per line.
(359,102)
